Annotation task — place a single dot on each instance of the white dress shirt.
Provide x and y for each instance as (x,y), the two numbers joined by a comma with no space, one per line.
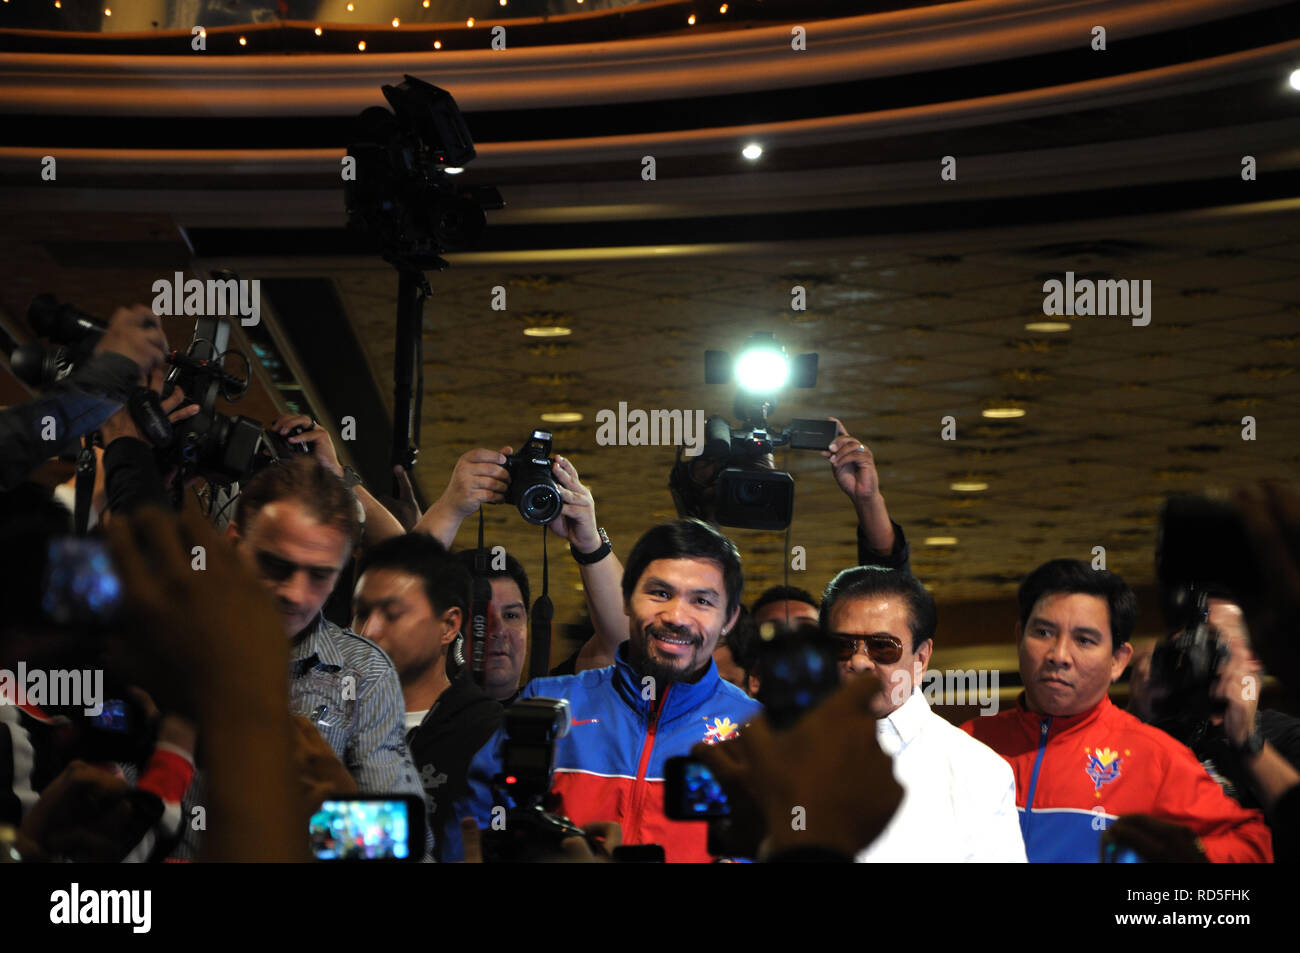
(959,795)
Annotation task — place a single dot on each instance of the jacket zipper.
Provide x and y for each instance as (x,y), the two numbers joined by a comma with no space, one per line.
(643,763)
(1038,763)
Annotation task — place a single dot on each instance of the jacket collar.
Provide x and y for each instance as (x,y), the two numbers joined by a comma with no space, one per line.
(677,697)
(1060,724)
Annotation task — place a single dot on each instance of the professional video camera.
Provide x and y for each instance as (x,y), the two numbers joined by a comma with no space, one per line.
(403,196)
(1201,551)
(220,448)
(532,480)
(734,481)
(531,832)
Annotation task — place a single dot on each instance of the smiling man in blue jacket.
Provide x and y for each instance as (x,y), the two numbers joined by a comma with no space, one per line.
(681,592)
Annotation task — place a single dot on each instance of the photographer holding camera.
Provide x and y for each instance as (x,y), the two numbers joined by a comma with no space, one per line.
(481,476)
(1253,753)
(123,359)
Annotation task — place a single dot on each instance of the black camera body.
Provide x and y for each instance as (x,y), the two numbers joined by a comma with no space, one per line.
(532,480)
(733,481)
(1184,669)
(532,832)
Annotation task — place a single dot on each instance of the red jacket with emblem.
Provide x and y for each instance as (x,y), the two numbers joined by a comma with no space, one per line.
(1076,774)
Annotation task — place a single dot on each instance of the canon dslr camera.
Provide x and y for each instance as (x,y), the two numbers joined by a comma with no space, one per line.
(532,480)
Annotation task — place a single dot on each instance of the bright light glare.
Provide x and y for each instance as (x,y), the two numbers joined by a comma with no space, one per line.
(752,151)
(1295,79)
(762,369)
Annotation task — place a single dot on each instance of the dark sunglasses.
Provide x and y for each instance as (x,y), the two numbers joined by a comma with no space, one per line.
(278,570)
(881,649)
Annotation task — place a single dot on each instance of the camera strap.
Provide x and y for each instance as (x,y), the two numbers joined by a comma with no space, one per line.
(85,485)
(539,626)
(479,607)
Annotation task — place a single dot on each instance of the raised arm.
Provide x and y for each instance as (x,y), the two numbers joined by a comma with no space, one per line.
(880,539)
(479,477)
(602,579)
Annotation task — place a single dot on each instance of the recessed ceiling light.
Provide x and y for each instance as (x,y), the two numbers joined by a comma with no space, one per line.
(752,151)
(396,22)
(548,332)
(362,46)
(941,541)
(968,486)
(1003,413)
(691,20)
(317,31)
(1048,327)
(562,417)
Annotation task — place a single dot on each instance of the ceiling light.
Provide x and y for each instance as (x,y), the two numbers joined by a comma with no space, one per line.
(562,417)
(752,151)
(968,486)
(453,170)
(317,31)
(243,42)
(1002,413)
(1048,327)
(941,541)
(362,46)
(396,22)
(550,331)
(691,20)
(469,22)
(1295,79)
(437,44)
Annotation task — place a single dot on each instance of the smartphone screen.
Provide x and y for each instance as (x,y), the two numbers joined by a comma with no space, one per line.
(691,792)
(369,828)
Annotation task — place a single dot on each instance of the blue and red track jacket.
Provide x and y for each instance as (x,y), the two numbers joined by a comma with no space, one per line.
(1075,774)
(610,766)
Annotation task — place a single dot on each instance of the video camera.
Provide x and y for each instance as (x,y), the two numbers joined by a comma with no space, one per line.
(734,482)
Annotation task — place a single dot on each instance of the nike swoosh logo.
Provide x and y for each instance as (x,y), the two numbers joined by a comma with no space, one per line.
(589,721)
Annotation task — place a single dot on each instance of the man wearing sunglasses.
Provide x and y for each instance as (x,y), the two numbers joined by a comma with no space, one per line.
(959,798)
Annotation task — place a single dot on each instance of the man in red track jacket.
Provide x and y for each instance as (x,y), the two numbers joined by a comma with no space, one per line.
(1079,761)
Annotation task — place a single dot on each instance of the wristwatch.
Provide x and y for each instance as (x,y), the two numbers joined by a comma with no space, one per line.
(603,550)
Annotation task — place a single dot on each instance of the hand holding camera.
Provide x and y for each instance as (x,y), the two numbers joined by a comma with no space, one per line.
(479,477)
(136,333)
(576,521)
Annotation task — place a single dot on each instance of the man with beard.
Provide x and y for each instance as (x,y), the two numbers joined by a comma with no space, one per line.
(681,593)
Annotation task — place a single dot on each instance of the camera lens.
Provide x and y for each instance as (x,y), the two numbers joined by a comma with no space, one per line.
(540,504)
(749,491)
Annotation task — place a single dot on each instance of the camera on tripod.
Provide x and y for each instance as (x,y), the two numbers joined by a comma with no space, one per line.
(532,480)
(733,482)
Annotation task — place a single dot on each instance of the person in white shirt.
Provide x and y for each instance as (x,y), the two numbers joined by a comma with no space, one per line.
(959,796)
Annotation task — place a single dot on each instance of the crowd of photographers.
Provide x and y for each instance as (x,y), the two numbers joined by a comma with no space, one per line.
(309,644)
